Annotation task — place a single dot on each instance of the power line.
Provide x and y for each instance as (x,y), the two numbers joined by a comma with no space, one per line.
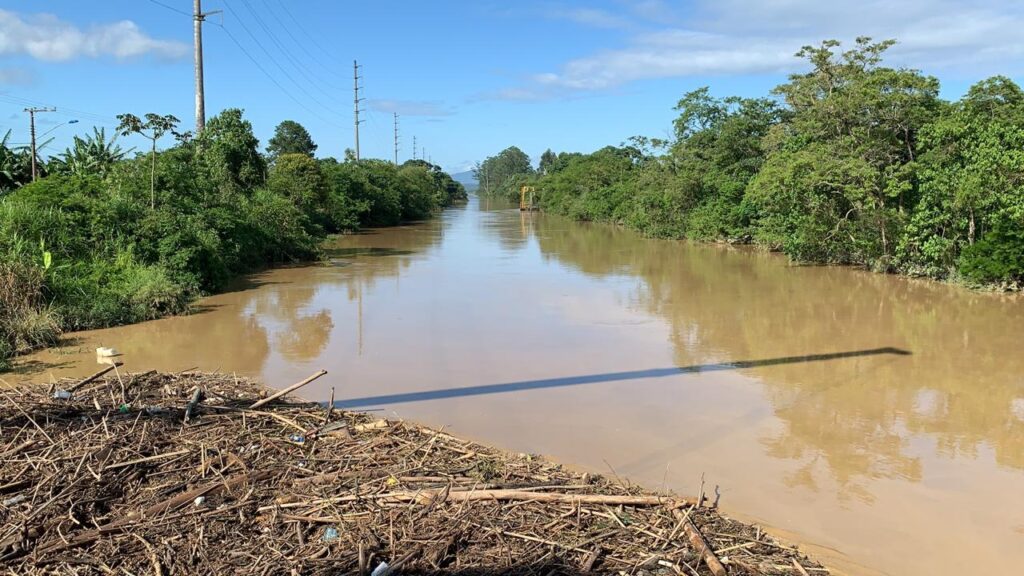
(296,62)
(270,57)
(328,67)
(271,77)
(61,111)
(284,7)
(171,8)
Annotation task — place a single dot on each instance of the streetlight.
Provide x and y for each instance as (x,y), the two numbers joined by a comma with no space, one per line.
(58,126)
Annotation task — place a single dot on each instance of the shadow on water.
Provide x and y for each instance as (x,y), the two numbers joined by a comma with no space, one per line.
(359,251)
(448,393)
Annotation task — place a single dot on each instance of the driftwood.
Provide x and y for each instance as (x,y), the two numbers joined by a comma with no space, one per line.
(99,485)
(95,376)
(700,543)
(287,390)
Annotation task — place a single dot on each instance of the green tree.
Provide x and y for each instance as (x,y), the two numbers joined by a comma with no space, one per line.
(290,137)
(840,175)
(499,174)
(230,150)
(300,179)
(971,185)
(152,129)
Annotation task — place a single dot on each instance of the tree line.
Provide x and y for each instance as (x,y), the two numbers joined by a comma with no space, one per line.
(108,236)
(850,162)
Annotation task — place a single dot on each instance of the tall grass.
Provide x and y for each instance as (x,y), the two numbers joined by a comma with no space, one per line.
(26,321)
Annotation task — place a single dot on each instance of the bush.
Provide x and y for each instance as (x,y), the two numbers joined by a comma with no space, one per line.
(26,322)
(997,258)
(105,292)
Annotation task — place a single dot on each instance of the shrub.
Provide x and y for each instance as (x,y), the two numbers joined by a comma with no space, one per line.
(997,258)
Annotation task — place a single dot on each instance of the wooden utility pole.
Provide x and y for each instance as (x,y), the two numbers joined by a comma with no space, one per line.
(396,138)
(32,129)
(355,86)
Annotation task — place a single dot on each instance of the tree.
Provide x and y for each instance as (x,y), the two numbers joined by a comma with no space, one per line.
(497,174)
(840,174)
(971,173)
(547,161)
(290,137)
(152,129)
(230,150)
(299,178)
(94,154)
(15,165)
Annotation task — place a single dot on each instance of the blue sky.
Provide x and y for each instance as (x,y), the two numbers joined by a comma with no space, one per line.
(467,78)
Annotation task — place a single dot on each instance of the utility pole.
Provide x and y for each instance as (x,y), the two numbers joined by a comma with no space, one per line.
(355,86)
(396,138)
(413,147)
(32,129)
(197,32)
(198,17)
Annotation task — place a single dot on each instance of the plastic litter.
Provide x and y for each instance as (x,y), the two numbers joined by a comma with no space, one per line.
(199,500)
(331,533)
(15,500)
(61,395)
(381,569)
(297,438)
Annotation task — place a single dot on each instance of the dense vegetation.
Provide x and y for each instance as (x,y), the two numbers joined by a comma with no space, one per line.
(850,163)
(105,239)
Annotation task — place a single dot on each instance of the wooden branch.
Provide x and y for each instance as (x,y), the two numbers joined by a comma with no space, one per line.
(701,545)
(287,390)
(95,376)
(146,459)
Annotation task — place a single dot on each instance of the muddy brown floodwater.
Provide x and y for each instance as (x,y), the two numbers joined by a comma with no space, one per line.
(877,420)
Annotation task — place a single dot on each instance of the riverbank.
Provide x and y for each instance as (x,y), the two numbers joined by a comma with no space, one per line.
(82,251)
(180,474)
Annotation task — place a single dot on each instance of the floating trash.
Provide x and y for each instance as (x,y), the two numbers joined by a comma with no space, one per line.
(62,395)
(331,533)
(381,569)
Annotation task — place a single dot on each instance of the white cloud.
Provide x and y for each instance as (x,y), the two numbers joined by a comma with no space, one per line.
(411,107)
(760,36)
(46,37)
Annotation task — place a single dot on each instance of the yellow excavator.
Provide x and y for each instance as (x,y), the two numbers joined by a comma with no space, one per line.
(526,196)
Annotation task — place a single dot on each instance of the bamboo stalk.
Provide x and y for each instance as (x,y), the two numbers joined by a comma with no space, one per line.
(287,390)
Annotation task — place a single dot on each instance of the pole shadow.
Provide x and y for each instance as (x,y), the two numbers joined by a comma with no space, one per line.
(448,393)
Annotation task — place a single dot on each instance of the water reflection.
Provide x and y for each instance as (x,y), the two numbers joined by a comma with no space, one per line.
(855,417)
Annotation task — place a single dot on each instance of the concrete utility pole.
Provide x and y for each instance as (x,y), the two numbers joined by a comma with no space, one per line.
(355,86)
(32,130)
(198,17)
(197,31)
(396,138)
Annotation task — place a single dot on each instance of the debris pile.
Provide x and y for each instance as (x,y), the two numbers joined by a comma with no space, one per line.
(157,473)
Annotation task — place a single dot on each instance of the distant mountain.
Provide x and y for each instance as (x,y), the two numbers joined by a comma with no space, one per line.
(467,179)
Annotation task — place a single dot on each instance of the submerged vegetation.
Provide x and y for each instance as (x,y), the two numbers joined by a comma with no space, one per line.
(849,163)
(103,239)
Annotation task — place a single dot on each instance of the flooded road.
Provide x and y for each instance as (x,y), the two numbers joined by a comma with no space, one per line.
(879,419)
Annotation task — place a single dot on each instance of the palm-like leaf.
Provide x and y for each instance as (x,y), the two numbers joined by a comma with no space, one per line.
(94,154)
